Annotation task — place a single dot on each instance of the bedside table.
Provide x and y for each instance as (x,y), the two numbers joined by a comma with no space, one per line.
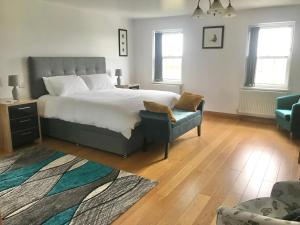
(129,86)
(19,124)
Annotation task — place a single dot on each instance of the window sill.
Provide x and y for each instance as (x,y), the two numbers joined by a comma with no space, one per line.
(265,89)
(168,83)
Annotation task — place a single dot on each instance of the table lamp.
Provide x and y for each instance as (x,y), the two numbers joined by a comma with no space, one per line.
(13,81)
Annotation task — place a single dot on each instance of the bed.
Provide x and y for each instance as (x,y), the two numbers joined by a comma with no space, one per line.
(110,127)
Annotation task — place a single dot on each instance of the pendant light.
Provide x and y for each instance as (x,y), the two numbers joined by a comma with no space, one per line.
(198,13)
(216,8)
(230,11)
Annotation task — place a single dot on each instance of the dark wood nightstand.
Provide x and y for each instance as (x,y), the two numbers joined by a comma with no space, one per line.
(19,124)
(129,86)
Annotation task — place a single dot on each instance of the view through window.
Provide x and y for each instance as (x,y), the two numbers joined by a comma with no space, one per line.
(172,56)
(274,49)
(168,56)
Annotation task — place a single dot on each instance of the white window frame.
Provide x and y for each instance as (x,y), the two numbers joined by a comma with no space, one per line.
(289,58)
(169,81)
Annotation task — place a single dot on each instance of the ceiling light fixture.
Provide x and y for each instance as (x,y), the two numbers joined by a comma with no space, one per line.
(215,9)
(230,11)
(198,13)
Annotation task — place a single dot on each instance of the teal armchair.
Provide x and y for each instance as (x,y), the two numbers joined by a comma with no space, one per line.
(288,114)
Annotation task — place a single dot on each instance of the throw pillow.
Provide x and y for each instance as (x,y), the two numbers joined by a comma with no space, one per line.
(159,108)
(189,101)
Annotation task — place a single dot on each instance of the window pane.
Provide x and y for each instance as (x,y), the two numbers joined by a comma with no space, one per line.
(172,44)
(172,69)
(271,71)
(275,41)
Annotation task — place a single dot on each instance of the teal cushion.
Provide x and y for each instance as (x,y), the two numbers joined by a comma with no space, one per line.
(284,113)
(183,116)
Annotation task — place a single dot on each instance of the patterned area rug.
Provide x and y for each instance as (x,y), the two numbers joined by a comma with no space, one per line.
(43,186)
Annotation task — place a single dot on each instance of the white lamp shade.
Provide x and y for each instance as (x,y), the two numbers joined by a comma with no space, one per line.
(198,13)
(216,8)
(230,11)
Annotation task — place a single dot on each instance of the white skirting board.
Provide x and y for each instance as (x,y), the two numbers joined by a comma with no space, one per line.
(260,103)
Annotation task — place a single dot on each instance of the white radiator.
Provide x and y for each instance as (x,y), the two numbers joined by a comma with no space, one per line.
(261,103)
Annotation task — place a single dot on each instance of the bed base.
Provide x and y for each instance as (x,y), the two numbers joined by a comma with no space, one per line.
(85,135)
(91,136)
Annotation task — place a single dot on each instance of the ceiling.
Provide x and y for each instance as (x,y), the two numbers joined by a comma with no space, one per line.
(160,8)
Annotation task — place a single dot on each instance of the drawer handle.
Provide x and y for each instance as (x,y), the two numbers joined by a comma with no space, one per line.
(26,133)
(24,121)
(23,108)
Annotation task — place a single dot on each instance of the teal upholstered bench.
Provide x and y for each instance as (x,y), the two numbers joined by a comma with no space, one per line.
(158,127)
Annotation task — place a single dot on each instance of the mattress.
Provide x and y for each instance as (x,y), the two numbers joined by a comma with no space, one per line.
(114,109)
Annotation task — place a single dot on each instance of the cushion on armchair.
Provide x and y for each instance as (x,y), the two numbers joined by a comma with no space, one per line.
(284,113)
(269,207)
(231,216)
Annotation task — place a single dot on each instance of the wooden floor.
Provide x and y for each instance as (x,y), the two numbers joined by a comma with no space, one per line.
(234,160)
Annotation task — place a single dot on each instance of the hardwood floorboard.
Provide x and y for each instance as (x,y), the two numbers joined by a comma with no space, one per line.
(191,213)
(234,160)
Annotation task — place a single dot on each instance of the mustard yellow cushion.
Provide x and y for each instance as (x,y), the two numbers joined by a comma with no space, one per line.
(189,101)
(159,108)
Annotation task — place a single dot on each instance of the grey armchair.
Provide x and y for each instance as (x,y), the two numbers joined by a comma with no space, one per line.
(285,198)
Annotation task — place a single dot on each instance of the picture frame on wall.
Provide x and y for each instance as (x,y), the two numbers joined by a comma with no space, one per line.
(213,37)
(123,42)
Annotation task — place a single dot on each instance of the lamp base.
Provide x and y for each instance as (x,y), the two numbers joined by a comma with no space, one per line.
(15,93)
(119,81)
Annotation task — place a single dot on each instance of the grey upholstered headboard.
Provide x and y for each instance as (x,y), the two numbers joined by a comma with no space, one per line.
(56,66)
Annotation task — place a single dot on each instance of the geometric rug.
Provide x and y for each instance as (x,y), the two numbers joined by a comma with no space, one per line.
(43,186)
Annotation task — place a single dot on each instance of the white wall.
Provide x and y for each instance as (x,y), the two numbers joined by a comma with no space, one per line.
(41,28)
(217,74)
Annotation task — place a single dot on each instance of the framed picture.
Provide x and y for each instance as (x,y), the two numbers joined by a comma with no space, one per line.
(213,37)
(123,43)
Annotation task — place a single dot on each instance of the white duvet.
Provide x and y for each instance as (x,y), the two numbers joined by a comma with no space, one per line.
(113,109)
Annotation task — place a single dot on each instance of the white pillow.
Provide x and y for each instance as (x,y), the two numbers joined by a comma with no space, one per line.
(65,85)
(48,86)
(98,81)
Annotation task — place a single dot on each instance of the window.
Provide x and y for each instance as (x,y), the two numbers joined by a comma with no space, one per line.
(168,56)
(271,56)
